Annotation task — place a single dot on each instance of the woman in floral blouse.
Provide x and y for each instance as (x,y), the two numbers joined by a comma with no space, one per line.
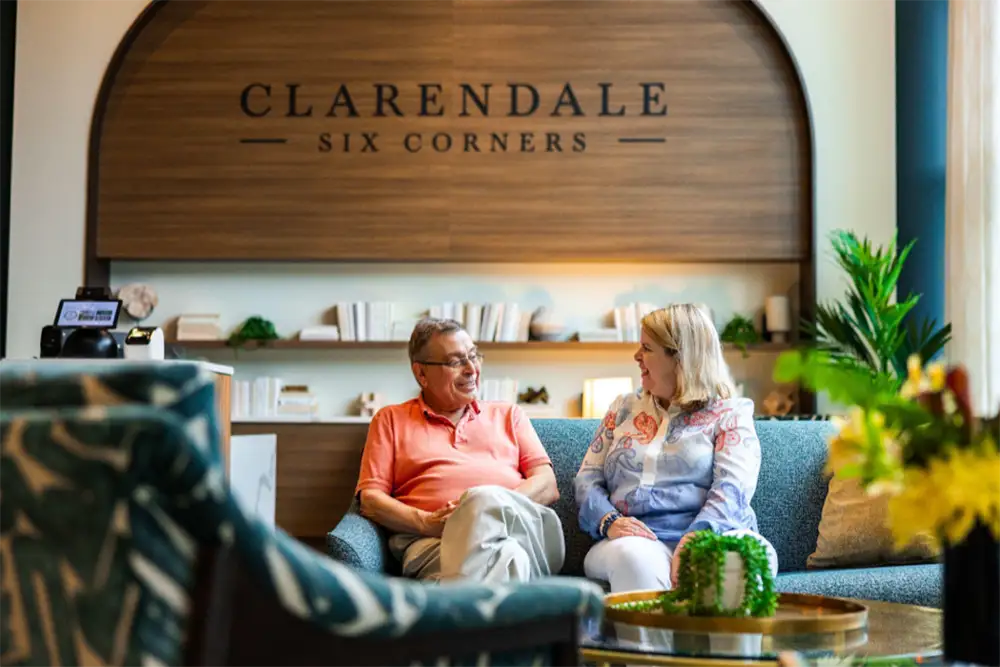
(678,456)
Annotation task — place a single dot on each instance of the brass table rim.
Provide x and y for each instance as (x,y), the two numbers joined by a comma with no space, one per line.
(601,655)
(844,615)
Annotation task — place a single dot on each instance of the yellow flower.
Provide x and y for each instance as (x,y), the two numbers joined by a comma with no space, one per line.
(936,375)
(863,447)
(916,383)
(945,499)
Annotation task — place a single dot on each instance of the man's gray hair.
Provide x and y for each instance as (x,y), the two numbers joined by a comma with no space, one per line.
(426,329)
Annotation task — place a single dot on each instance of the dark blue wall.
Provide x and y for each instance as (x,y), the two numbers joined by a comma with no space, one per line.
(921,126)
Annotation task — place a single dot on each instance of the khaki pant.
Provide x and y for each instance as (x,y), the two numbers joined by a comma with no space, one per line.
(494,534)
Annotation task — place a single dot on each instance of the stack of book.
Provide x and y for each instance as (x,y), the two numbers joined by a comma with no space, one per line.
(270,398)
(627,320)
(502,389)
(367,321)
(488,323)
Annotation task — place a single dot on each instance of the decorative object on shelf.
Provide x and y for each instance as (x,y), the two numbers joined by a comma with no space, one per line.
(534,396)
(599,393)
(719,576)
(138,300)
(198,328)
(740,332)
(370,403)
(779,402)
(543,327)
(254,328)
(777,318)
(919,442)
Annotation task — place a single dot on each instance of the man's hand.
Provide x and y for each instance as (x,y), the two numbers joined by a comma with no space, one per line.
(675,561)
(628,526)
(540,485)
(385,510)
(432,523)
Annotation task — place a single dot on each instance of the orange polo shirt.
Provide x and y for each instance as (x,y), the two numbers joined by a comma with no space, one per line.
(423,460)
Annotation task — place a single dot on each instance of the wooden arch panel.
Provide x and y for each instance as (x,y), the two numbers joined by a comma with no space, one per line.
(463,130)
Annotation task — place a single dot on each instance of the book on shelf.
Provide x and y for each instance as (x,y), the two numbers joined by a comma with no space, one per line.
(269,397)
(325,332)
(488,323)
(366,321)
(498,389)
(628,320)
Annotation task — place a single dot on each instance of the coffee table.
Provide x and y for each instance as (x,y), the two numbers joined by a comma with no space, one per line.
(893,631)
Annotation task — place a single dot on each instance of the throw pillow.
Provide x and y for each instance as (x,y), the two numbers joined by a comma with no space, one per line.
(854,531)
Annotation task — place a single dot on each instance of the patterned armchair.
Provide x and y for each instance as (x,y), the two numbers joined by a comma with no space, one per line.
(112,487)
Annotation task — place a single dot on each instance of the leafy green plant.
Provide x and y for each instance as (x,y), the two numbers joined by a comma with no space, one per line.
(740,332)
(701,568)
(869,329)
(254,328)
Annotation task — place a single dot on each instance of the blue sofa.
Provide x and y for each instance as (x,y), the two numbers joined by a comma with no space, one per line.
(789,502)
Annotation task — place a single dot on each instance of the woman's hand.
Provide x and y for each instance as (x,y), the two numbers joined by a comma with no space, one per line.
(675,561)
(627,526)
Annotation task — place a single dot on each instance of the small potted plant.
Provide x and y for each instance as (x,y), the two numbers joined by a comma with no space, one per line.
(718,576)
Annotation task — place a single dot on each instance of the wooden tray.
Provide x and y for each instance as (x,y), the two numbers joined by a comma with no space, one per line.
(797,614)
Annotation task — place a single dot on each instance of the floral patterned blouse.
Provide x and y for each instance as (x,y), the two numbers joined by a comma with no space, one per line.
(676,472)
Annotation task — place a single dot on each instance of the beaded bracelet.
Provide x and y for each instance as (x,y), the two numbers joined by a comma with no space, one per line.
(606,522)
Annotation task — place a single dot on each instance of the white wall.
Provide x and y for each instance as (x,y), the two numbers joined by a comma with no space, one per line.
(844,48)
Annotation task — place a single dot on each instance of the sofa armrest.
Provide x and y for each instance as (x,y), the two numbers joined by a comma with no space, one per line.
(468,605)
(359,542)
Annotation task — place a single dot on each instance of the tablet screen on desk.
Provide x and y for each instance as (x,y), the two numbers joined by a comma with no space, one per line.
(88,313)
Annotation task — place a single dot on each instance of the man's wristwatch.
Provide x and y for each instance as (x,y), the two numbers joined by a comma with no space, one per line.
(606,522)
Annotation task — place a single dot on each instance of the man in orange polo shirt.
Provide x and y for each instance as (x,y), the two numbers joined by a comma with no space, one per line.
(462,484)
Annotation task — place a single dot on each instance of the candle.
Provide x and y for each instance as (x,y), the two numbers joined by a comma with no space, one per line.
(778,314)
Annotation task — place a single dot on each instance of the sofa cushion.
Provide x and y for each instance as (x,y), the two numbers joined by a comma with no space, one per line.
(791,487)
(566,442)
(855,531)
(909,584)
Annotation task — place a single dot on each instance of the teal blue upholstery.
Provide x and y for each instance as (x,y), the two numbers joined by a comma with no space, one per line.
(177,387)
(107,501)
(788,502)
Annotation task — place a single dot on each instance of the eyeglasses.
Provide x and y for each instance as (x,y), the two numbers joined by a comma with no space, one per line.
(475,359)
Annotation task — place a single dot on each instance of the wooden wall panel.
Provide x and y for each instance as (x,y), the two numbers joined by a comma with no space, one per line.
(728,178)
(317,469)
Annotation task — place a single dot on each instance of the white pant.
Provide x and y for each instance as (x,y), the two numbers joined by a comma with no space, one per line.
(495,535)
(635,563)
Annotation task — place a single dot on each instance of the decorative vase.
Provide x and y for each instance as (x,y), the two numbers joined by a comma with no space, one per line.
(972,599)
(733,588)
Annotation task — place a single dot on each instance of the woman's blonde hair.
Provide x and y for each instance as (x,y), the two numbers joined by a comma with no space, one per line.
(686,332)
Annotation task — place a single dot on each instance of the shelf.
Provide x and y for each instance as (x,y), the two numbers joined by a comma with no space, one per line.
(565,346)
